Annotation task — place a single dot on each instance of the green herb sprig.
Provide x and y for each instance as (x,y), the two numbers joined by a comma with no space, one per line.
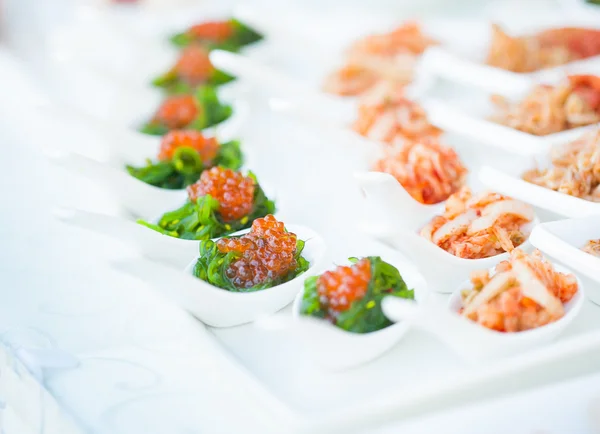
(186,166)
(364,315)
(242,35)
(201,220)
(211,112)
(212,266)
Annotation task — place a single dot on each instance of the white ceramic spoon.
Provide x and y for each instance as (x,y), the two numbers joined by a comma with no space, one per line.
(337,349)
(473,341)
(564,239)
(400,218)
(218,307)
(141,199)
(149,243)
(509,182)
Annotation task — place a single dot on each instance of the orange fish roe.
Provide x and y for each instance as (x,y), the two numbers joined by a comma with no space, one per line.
(194,65)
(177,111)
(233,191)
(216,31)
(267,253)
(340,287)
(207,148)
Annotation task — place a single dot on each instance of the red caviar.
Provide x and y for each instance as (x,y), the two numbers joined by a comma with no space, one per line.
(267,253)
(233,191)
(207,148)
(216,31)
(344,285)
(194,65)
(177,111)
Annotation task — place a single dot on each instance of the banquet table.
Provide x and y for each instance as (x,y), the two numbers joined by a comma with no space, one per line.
(87,349)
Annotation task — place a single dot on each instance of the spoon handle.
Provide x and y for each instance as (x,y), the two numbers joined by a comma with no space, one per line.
(141,199)
(151,244)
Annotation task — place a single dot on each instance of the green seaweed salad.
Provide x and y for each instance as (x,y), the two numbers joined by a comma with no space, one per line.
(364,314)
(173,84)
(186,166)
(200,219)
(238,35)
(193,69)
(212,265)
(208,108)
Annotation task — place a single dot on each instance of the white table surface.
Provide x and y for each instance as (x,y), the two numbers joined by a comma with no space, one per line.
(120,359)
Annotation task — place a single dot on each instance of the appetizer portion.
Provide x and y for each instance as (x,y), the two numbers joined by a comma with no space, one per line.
(265,257)
(543,50)
(385,115)
(225,35)
(429,171)
(592,247)
(193,69)
(574,169)
(220,203)
(551,109)
(480,226)
(350,296)
(183,156)
(195,112)
(382,57)
(524,292)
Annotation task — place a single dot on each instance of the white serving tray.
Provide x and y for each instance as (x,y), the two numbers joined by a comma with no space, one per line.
(419,369)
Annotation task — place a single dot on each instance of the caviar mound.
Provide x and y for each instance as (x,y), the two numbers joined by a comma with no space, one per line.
(192,69)
(233,191)
(207,148)
(216,31)
(339,288)
(265,253)
(183,156)
(201,217)
(225,35)
(266,256)
(177,112)
(196,111)
(350,297)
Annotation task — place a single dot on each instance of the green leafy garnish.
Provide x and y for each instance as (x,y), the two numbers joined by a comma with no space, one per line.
(212,265)
(593,2)
(242,35)
(364,315)
(210,112)
(201,220)
(186,166)
(174,85)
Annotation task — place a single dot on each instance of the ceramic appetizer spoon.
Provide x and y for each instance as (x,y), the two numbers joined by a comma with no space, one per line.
(223,201)
(470,340)
(336,348)
(219,307)
(400,218)
(565,240)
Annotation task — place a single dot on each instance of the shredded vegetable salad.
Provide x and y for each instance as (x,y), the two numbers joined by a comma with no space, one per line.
(480,226)
(546,49)
(575,169)
(551,109)
(429,171)
(382,57)
(525,292)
